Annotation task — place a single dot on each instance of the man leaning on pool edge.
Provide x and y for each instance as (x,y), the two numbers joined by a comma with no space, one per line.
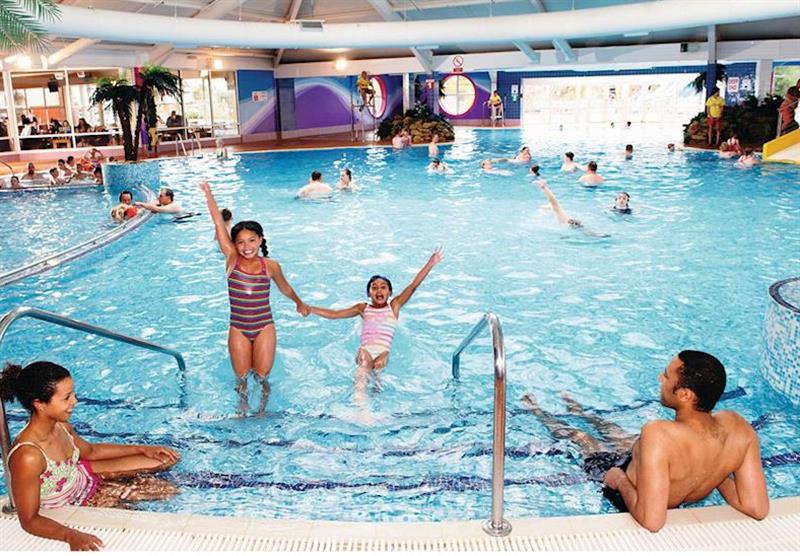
(681,461)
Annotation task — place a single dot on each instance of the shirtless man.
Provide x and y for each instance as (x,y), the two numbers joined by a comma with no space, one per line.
(591,178)
(675,462)
(30,173)
(315,189)
(166,203)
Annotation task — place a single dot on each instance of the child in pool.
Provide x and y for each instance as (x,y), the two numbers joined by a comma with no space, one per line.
(251,335)
(380,320)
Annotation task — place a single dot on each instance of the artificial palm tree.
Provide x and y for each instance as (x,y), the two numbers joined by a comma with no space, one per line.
(699,82)
(152,80)
(120,95)
(20,27)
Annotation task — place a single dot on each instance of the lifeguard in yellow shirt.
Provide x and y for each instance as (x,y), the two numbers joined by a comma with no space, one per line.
(714,108)
(365,89)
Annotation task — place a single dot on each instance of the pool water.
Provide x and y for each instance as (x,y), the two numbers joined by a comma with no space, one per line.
(35,224)
(597,317)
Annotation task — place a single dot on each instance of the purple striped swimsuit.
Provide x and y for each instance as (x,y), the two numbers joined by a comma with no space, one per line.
(249,298)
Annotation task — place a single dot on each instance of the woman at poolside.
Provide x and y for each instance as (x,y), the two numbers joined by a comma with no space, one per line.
(379,321)
(251,334)
(51,466)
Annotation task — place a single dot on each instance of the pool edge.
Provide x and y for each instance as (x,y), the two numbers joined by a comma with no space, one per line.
(713,527)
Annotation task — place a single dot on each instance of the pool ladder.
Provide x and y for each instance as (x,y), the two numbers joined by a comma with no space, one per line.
(61,320)
(496,526)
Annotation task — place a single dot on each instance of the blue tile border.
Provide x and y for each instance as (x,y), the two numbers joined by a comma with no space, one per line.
(780,361)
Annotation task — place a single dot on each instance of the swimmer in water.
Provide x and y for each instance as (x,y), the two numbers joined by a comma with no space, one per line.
(437,165)
(748,159)
(523,157)
(488,168)
(671,147)
(379,318)
(535,171)
(562,216)
(346,182)
(433,146)
(570,165)
(591,178)
(628,152)
(621,203)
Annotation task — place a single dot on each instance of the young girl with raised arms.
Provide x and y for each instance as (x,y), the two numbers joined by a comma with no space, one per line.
(379,321)
(251,334)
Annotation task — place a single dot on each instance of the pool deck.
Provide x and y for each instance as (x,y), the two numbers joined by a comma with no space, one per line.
(709,528)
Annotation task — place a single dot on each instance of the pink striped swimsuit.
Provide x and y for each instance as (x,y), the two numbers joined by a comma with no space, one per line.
(249,298)
(67,482)
(378,328)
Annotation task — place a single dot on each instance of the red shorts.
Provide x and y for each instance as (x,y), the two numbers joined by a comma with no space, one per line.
(714,121)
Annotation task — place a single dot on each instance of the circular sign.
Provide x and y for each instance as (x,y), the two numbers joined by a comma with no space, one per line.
(458,61)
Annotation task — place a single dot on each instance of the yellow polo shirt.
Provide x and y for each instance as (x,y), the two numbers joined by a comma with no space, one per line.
(715,106)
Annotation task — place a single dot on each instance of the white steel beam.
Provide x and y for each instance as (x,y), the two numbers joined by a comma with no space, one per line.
(532,55)
(424,57)
(560,44)
(69,50)
(294,9)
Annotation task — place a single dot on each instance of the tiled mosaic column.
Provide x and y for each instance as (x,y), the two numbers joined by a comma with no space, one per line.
(124,176)
(780,362)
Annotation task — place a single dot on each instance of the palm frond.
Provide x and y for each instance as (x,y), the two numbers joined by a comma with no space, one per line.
(20,28)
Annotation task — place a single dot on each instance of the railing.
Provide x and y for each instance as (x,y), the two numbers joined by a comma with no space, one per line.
(47,316)
(51,261)
(179,141)
(496,525)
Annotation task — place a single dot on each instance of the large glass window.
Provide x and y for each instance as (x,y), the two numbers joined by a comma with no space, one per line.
(784,77)
(40,105)
(459,95)
(223,103)
(5,133)
(93,124)
(196,102)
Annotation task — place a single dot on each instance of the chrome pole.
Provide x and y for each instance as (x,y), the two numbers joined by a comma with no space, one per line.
(496,526)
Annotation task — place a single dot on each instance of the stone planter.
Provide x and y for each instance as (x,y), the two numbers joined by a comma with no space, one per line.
(780,361)
(118,176)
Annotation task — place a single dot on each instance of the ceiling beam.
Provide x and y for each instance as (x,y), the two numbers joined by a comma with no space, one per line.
(69,50)
(560,44)
(216,9)
(532,55)
(294,9)
(385,10)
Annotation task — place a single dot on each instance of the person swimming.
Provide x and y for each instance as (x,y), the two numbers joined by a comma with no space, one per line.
(379,322)
(570,165)
(621,204)
(437,165)
(535,171)
(591,178)
(562,216)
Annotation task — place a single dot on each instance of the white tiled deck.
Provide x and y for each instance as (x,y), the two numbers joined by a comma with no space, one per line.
(713,528)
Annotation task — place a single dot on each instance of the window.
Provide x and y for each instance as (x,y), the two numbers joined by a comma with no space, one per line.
(459,95)
(5,142)
(223,103)
(41,111)
(379,101)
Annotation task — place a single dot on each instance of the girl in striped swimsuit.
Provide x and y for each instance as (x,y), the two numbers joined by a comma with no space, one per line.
(50,466)
(251,335)
(379,321)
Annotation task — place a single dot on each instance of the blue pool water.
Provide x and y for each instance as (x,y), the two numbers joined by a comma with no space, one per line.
(599,318)
(35,224)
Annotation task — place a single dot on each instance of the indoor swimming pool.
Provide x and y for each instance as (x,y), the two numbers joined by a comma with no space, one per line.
(598,317)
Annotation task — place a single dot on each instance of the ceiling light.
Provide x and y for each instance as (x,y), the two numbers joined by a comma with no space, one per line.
(24,62)
(203,73)
(637,34)
(334,50)
(341,63)
(217,64)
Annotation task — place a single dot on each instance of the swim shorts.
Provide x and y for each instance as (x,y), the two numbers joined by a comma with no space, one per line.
(597,464)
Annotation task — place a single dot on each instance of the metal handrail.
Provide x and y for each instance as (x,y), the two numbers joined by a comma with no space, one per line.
(496,526)
(181,145)
(61,320)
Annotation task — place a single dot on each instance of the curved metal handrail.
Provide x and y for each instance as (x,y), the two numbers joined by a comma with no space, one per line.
(81,249)
(775,293)
(61,320)
(496,525)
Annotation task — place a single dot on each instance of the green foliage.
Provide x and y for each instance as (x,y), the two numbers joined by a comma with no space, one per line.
(420,121)
(785,77)
(120,95)
(20,24)
(153,80)
(753,121)
(699,82)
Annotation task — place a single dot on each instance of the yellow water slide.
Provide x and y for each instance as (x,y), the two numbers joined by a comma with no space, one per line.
(785,148)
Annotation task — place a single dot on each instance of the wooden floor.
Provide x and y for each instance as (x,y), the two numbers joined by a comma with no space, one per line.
(317,141)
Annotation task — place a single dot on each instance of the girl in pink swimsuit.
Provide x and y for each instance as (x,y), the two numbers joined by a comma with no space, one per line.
(51,466)
(379,321)
(251,335)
